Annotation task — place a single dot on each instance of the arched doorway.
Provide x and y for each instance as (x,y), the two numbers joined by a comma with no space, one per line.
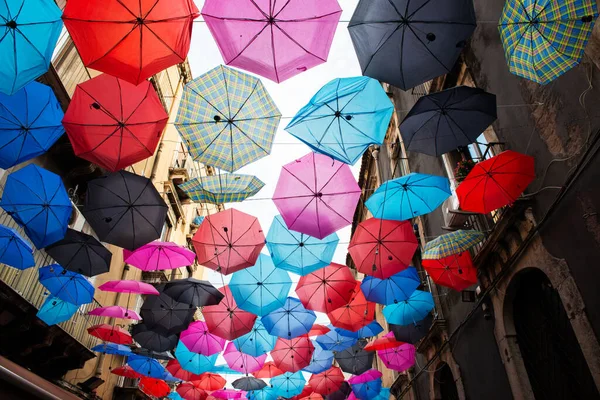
(445,383)
(555,364)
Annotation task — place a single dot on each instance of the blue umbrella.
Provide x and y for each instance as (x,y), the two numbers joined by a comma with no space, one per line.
(146,366)
(411,310)
(14,250)
(297,252)
(407,197)
(321,360)
(174,396)
(66,285)
(198,220)
(54,311)
(261,288)
(112,348)
(289,321)
(391,290)
(289,384)
(31,30)
(168,377)
(334,341)
(344,118)
(256,342)
(224,370)
(371,330)
(37,201)
(266,393)
(384,394)
(194,362)
(30,121)
(367,390)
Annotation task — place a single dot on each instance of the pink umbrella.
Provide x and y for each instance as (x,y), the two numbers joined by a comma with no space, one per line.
(228,394)
(399,358)
(157,256)
(316,195)
(242,362)
(115,312)
(276,41)
(198,339)
(367,376)
(134,287)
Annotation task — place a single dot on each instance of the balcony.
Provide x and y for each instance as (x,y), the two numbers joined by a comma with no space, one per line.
(154,277)
(182,169)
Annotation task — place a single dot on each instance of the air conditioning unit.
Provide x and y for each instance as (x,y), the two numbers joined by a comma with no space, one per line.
(77,219)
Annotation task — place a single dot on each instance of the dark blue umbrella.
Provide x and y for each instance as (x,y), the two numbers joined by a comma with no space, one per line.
(66,285)
(112,348)
(289,321)
(146,366)
(367,390)
(14,250)
(334,341)
(30,123)
(54,311)
(321,360)
(371,330)
(256,342)
(391,290)
(37,201)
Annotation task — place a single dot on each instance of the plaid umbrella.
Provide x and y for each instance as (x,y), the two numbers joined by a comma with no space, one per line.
(451,243)
(219,189)
(543,39)
(227,119)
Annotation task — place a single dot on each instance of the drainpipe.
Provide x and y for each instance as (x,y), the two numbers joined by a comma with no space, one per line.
(156,162)
(375,153)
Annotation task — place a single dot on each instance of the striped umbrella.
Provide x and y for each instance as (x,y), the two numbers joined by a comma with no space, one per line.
(451,243)
(225,188)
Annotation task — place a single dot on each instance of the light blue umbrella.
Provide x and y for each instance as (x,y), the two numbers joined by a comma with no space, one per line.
(66,285)
(411,310)
(384,394)
(261,288)
(344,118)
(289,384)
(289,321)
(146,366)
(407,197)
(194,362)
(174,396)
(198,220)
(224,370)
(256,342)
(14,250)
(335,341)
(391,290)
(54,311)
(320,361)
(297,252)
(112,348)
(266,393)
(371,330)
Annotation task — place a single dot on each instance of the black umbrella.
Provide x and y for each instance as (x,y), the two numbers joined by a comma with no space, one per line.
(157,355)
(408,42)
(154,337)
(414,332)
(125,209)
(80,253)
(194,292)
(355,360)
(342,393)
(249,383)
(442,121)
(163,311)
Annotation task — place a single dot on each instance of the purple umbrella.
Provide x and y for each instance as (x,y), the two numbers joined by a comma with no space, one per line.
(242,362)
(156,256)
(399,358)
(115,312)
(316,195)
(199,340)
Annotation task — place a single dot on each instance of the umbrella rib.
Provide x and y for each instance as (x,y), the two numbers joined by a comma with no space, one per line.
(249,44)
(298,44)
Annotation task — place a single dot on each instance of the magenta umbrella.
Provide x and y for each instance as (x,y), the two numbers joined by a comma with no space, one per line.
(367,376)
(115,312)
(228,394)
(199,340)
(133,287)
(398,358)
(276,40)
(316,195)
(242,362)
(157,256)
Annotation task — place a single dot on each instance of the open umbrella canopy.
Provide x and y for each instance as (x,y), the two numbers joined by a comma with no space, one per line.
(328,381)
(176,396)
(115,312)
(334,341)
(316,196)
(112,334)
(175,369)
(159,355)
(54,310)
(111,348)
(31,30)
(398,358)
(326,289)
(443,121)
(382,248)
(198,339)
(154,337)
(407,197)
(290,320)
(432,35)
(81,253)
(192,291)
(344,118)
(305,392)
(144,39)
(256,342)
(114,123)
(391,290)
(456,272)
(191,391)
(357,313)
(370,330)
(194,362)
(227,394)
(248,383)
(544,40)
(276,41)
(164,311)
(146,366)
(15,251)
(412,332)
(266,393)
(294,354)
(126,286)
(411,310)
(227,119)
(268,370)
(355,360)
(158,256)
(262,288)
(496,182)
(30,121)
(210,381)
(242,362)
(318,329)
(228,241)
(289,384)
(383,343)
(154,387)
(38,202)
(125,209)
(366,385)
(226,319)
(66,285)
(320,361)
(451,243)
(126,371)
(296,252)
(222,188)
(342,393)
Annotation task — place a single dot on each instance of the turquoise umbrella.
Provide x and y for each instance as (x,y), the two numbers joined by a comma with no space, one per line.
(256,342)
(194,362)
(411,310)
(289,384)
(222,188)
(54,311)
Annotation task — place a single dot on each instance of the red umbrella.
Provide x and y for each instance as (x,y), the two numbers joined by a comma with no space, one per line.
(208,381)
(131,39)
(109,333)
(326,289)
(382,248)
(383,343)
(456,271)
(496,182)
(113,123)
(357,313)
(178,372)
(318,330)
(154,387)
(190,391)
(269,370)
(328,381)
(293,355)
(313,396)
(127,372)
(225,319)
(228,241)
(306,391)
